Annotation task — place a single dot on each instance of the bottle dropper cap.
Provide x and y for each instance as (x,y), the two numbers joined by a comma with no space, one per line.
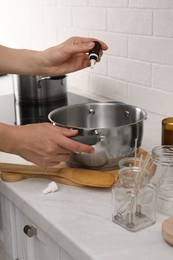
(52,187)
(94,53)
(92,62)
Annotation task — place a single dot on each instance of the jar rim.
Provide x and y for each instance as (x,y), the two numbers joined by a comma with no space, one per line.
(129,176)
(129,173)
(168,120)
(163,154)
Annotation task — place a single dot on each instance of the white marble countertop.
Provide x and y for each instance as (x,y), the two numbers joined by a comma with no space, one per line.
(79,219)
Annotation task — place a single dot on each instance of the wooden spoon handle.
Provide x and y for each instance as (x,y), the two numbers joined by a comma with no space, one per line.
(22,168)
(13,177)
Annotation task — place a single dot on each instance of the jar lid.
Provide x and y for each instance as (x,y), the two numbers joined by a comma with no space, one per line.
(167,230)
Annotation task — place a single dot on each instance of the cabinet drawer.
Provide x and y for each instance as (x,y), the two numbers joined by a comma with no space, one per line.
(34,244)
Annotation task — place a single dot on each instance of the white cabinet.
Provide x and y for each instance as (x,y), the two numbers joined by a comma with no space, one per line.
(34,244)
(7,228)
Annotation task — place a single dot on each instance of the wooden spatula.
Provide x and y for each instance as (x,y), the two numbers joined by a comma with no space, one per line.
(76,175)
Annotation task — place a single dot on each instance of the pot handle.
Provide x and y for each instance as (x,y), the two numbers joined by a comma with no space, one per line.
(90,139)
(40,80)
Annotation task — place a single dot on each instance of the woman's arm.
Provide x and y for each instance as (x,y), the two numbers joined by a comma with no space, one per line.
(66,57)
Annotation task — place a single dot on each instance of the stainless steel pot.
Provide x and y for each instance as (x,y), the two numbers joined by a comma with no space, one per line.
(36,88)
(111,128)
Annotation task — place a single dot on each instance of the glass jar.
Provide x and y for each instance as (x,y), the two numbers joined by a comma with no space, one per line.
(133,200)
(163,178)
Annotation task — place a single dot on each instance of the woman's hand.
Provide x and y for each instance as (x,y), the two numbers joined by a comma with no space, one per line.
(69,56)
(43,144)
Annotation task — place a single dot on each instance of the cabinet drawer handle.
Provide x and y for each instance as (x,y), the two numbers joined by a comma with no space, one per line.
(30,231)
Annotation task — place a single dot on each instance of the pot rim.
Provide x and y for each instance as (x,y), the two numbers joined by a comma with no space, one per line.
(95,104)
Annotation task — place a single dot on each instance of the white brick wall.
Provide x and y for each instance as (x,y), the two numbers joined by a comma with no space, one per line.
(137,68)
(130,21)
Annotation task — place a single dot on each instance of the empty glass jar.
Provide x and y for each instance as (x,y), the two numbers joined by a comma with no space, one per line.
(163,178)
(133,200)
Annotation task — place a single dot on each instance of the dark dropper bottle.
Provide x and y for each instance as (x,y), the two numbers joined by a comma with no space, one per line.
(94,53)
